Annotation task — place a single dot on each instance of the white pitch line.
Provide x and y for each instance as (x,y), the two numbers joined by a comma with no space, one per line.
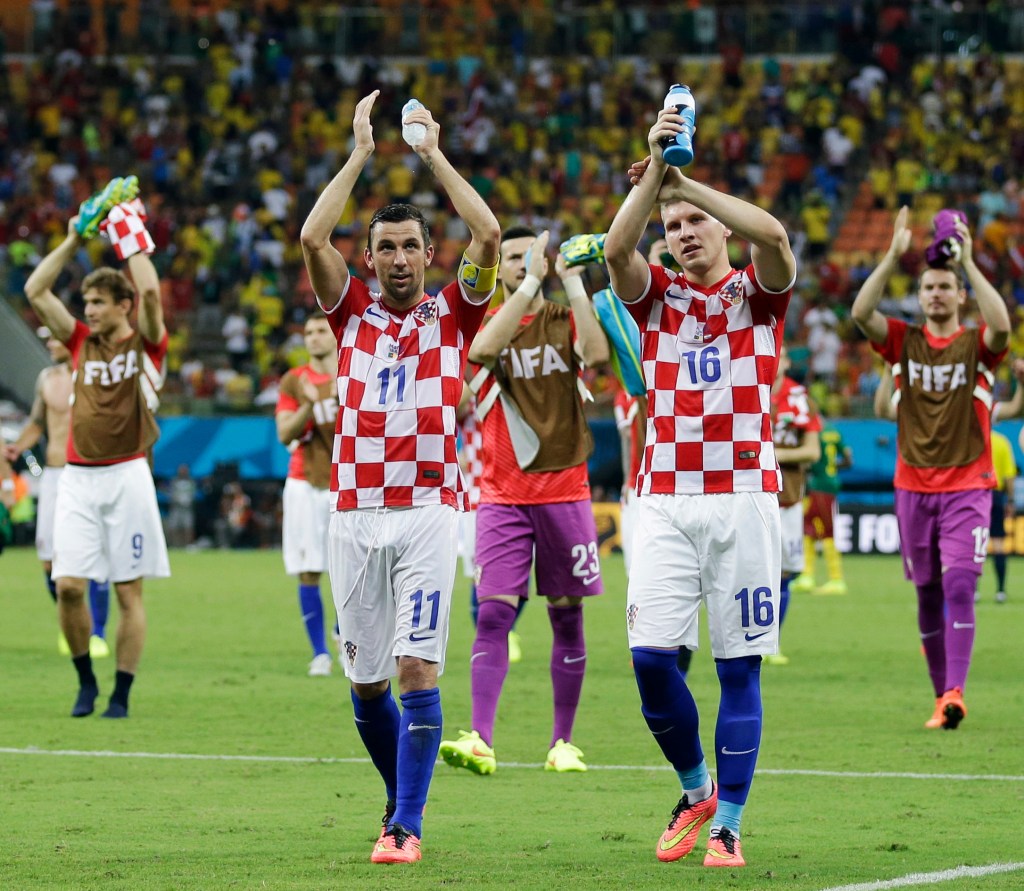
(928,878)
(513,765)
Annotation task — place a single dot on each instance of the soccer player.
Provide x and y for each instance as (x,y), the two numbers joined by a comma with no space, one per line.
(1005,468)
(471,440)
(823,486)
(942,373)
(535,507)
(307,409)
(108,523)
(50,416)
(707,525)
(396,487)
(796,427)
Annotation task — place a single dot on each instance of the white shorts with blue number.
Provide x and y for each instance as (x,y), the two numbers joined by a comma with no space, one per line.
(392,572)
(107,524)
(720,550)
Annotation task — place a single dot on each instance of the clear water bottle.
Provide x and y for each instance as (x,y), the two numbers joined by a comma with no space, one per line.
(413,134)
(678,150)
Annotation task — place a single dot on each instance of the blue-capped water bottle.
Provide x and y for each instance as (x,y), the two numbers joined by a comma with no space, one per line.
(413,134)
(678,150)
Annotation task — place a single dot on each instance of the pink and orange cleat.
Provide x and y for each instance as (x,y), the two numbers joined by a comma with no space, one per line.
(396,846)
(681,835)
(723,849)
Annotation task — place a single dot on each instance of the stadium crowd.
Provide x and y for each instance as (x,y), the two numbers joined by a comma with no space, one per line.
(233,141)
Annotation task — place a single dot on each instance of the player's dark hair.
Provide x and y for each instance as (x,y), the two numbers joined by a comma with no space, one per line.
(398,213)
(955,268)
(112,281)
(317,315)
(517,232)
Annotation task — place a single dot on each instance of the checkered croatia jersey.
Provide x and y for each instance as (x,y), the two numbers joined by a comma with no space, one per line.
(710,357)
(472,460)
(399,382)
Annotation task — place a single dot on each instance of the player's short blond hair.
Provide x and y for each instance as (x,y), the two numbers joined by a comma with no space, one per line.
(112,281)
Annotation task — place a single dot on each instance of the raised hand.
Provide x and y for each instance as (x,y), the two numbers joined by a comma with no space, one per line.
(361,127)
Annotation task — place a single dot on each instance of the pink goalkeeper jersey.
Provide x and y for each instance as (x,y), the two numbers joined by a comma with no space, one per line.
(399,382)
(710,356)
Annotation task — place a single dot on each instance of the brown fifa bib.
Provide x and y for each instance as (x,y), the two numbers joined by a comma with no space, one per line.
(938,426)
(317,443)
(110,414)
(538,372)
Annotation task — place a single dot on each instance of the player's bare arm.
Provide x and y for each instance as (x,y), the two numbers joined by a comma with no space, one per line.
(629,272)
(483,225)
(34,428)
(328,271)
(807,452)
(990,303)
(770,253)
(591,342)
(1013,406)
(882,402)
(291,424)
(500,329)
(147,284)
(47,305)
(865,306)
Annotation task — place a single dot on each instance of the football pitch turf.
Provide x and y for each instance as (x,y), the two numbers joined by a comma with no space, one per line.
(236,770)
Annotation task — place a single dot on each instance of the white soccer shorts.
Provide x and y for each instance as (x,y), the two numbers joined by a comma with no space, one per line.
(467,542)
(392,572)
(107,524)
(720,550)
(627,526)
(793,538)
(45,511)
(307,515)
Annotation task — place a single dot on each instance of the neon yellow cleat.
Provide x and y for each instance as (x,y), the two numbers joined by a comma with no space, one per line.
(833,588)
(775,659)
(582,249)
(515,651)
(802,584)
(469,751)
(565,758)
(98,647)
(62,644)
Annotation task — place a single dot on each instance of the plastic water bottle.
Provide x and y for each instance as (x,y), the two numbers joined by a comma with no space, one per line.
(678,151)
(413,134)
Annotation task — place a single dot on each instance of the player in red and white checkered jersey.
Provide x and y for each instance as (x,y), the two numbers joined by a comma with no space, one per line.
(707,525)
(107,522)
(796,430)
(396,477)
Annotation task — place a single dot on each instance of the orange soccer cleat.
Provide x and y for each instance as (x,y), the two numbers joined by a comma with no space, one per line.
(723,849)
(681,834)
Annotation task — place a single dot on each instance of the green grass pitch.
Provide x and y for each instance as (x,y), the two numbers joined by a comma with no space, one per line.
(851,788)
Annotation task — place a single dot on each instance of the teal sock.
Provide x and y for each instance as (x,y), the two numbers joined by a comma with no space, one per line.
(697,780)
(728,814)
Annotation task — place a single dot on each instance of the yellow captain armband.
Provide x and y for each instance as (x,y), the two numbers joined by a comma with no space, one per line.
(477,278)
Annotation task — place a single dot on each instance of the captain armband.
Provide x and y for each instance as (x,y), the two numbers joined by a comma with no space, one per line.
(477,278)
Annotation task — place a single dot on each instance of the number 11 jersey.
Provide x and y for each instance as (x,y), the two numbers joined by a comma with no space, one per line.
(399,381)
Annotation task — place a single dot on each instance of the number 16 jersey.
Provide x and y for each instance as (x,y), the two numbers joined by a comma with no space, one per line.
(709,355)
(399,382)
